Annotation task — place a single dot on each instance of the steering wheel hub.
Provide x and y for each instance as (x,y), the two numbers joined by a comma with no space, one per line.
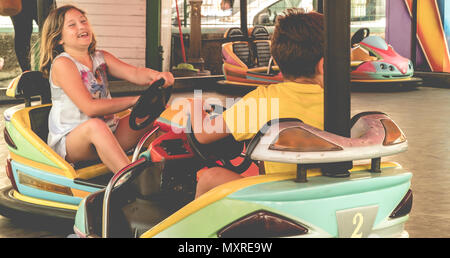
(150,105)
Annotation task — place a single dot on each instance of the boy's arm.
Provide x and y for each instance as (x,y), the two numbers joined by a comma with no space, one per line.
(230,121)
(207,130)
(206,135)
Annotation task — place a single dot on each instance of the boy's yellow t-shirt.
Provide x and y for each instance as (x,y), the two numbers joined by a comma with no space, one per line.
(283,100)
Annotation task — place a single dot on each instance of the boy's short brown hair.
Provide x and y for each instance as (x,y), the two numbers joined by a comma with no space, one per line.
(297,42)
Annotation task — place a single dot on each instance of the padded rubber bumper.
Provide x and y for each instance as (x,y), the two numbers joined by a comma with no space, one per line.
(11,207)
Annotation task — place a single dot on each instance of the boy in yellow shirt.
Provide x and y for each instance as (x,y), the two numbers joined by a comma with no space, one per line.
(297,47)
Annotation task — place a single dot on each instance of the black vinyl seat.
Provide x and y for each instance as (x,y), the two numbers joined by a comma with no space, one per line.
(261,45)
(241,46)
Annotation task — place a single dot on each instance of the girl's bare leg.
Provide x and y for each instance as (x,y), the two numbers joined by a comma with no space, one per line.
(93,139)
(127,137)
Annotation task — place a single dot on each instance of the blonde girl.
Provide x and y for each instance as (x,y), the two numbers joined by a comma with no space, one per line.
(82,124)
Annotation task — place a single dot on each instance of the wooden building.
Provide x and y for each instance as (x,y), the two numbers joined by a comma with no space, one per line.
(134,30)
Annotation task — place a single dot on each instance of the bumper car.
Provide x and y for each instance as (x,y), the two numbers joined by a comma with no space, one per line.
(42,182)
(154,195)
(376,62)
(247,61)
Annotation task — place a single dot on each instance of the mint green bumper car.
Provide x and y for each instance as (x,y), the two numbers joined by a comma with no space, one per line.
(154,196)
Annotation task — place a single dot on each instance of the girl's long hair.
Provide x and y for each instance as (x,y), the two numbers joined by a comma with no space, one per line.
(51,35)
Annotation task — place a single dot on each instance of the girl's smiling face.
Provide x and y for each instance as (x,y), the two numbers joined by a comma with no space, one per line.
(76,32)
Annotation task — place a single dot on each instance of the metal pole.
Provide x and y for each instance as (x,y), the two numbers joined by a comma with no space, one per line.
(185,13)
(153,55)
(414,33)
(195,40)
(319,6)
(243,6)
(337,76)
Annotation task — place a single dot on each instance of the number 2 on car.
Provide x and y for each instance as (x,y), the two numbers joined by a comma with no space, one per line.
(356,222)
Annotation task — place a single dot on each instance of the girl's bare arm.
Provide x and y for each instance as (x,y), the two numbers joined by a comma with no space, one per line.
(65,74)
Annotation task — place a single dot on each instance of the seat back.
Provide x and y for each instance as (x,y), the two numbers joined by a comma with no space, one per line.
(39,121)
(241,46)
(261,45)
(28,85)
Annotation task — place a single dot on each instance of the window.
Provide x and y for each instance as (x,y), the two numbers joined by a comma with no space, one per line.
(370,14)
(364,13)
(215,14)
(268,15)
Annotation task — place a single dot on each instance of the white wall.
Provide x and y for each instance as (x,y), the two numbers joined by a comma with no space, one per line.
(119,26)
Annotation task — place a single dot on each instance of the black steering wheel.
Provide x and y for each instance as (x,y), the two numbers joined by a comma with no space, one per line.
(150,105)
(223,150)
(360,35)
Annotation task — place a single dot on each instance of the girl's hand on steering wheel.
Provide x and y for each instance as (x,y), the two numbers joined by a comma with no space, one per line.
(167,76)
